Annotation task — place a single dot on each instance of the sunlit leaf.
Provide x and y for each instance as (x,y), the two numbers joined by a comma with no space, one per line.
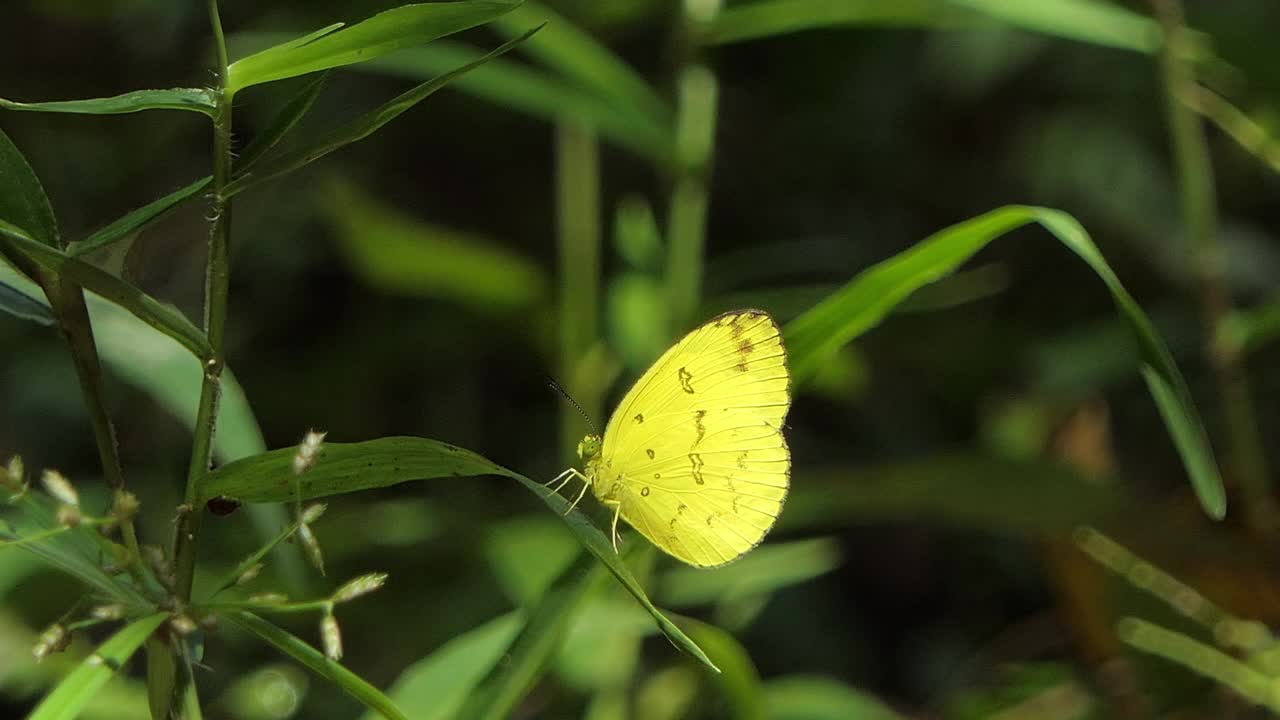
(800,697)
(194,99)
(77,689)
(1090,21)
(766,569)
(401,27)
(867,299)
(738,680)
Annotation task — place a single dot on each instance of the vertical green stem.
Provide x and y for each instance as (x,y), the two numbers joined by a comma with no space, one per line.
(1199,212)
(695,143)
(578,226)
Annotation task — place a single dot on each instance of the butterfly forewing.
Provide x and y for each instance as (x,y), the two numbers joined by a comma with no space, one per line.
(697,443)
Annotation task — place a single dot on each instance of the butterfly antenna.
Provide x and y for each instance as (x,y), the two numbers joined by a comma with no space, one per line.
(560,389)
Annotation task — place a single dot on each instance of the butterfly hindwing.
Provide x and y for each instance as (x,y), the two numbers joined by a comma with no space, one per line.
(697,443)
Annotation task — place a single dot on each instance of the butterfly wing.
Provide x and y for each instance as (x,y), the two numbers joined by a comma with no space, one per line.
(695,453)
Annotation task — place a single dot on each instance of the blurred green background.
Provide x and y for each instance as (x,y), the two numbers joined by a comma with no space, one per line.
(407,285)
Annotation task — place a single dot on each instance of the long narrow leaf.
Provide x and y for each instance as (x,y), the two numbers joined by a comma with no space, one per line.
(138,220)
(1090,21)
(193,99)
(867,299)
(363,126)
(77,689)
(285,120)
(385,32)
(313,660)
(162,317)
(738,681)
(21,305)
(342,468)
(22,198)
(765,18)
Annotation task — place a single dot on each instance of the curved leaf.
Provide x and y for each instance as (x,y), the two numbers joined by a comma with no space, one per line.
(385,32)
(77,689)
(363,126)
(1088,21)
(738,681)
(317,663)
(22,199)
(195,99)
(766,18)
(348,467)
(867,299)
(801,697)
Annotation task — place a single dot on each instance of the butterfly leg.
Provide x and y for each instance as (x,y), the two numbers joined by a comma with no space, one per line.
(562,477)
(585,484)
(613,530)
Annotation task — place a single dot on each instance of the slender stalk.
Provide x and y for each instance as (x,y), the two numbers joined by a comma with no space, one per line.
(1199,211)
(171,694)
(578,227)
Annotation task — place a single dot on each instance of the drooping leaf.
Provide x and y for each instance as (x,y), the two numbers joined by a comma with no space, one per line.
(192,99)
(23,202)
(867,299)
(335,46)
(738,680)
(316,662)
(77,689)
(362,126)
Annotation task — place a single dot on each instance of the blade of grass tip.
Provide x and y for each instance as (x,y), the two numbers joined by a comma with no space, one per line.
(739,681)
(77,689)
(284,121)
(313,660)
(363,126)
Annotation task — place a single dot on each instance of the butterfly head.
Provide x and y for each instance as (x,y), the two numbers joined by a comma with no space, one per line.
(589,448)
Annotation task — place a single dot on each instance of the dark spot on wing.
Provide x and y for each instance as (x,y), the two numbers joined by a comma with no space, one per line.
(696,460)
(745,346)
(644,491)
(649,452)
(697,423)
(639,418)
(686,378)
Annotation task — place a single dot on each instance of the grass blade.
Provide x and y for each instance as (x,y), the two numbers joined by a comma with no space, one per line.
(20,304)
(363,126)
(766,18)
(193,99)
(138,220)
(385,32)
(738,681)
(317,663)
(283,122)
(867,299)
(1087,21)
(77,689)
(162,317)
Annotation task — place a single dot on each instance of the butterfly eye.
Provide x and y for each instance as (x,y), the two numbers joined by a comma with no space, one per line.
(589,447)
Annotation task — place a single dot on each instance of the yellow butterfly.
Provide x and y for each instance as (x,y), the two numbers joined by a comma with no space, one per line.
(694,456)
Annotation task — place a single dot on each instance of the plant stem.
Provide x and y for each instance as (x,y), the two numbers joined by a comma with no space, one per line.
(1199,211)
(173,697)
(578,229)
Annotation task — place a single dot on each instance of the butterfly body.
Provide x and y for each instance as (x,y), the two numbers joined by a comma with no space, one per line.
(694,457)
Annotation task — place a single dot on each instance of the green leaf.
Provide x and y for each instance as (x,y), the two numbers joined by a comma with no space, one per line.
(22,199)
(765,18)
(867,299)
(436,686)
(343,468)
(348,467)
(1024,499)
(20,304)
(525,89)
(362,126)
(585,61)
(317,663)
(738,681)
(1088,21)
(160,316)
(78,689)
(801,697)
(196,99)
(282,122)
(385,32)
(405,255)
(138,220)
(525,659)
(764,570)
